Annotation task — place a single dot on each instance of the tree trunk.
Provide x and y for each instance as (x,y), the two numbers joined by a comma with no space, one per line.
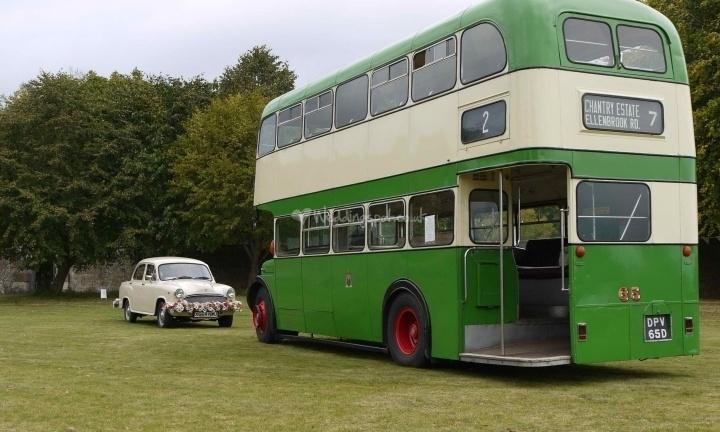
(44,277)
(59,279)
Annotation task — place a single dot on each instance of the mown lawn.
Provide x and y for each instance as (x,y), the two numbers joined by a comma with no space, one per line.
(74,365)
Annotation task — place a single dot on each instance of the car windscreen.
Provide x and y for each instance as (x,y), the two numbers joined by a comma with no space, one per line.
(183,271)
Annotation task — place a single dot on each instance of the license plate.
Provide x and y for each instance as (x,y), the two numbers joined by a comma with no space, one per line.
(657,328)
(205,314)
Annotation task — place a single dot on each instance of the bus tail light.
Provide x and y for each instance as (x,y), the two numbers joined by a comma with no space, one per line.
(580,251)
(582,332)
(688,325)
(687,251)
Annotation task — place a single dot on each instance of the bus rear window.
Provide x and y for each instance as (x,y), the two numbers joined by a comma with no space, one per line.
(641,49)
(613,212)
(588,42)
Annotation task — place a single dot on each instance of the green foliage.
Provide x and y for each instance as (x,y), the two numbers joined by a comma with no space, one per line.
(213,169)
(83,167)
(698,22)
(258,69)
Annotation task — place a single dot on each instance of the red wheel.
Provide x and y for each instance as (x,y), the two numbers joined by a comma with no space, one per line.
(407,330)
(259,315)
(263,317)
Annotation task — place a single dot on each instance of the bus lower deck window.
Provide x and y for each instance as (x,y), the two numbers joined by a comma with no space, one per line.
(316,233)
(349,230)
(613,212)
(287,235)
(432,219)
(386,225)
(485,217)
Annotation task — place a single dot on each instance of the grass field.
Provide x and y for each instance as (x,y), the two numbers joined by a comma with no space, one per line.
(74,365)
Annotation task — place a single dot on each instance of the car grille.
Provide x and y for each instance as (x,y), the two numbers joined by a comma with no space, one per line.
(204,298)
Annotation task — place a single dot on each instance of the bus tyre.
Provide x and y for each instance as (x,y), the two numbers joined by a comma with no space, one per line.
(263,317)
(164,319)
(407,331)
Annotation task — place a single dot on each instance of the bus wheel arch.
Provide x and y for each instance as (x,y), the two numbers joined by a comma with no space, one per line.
(260,302)
(406,324)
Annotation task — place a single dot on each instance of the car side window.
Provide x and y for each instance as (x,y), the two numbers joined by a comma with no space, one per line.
(139,272)
(150,272)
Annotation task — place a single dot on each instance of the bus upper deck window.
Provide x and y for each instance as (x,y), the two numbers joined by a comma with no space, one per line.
(318,114)
(389,88)
(613,212)
(482,53)
(641,49)
(266,143)
(589,42)
(434,70)
(351,101)
(289,129)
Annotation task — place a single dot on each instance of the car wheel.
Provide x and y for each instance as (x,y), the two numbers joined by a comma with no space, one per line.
(128,315)
(164,319)
(225,321)
(407,331)
(263,317)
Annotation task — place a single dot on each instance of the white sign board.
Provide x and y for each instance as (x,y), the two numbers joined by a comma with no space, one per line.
(430,229)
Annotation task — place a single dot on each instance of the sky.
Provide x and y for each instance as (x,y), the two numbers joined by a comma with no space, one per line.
(195,37)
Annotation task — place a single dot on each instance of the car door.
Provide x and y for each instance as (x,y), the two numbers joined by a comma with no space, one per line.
(135,294)
(151,291)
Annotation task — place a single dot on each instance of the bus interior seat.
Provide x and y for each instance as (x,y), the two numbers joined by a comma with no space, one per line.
(540,284)
(540,260)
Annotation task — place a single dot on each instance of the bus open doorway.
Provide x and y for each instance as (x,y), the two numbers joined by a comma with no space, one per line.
(516,308)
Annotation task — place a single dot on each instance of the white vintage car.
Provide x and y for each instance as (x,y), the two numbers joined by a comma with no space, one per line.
(176,289)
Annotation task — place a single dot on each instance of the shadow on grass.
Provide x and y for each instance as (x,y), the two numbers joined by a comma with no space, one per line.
(569,374)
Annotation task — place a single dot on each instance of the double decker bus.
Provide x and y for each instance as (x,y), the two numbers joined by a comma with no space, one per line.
(514,185)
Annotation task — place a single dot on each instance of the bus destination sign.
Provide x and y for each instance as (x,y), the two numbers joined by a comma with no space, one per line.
(621,114)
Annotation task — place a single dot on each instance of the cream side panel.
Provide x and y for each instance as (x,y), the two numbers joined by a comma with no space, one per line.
(673,213)
(544,110)
(432,135)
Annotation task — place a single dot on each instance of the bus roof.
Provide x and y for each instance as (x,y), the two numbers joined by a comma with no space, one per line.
(519,21)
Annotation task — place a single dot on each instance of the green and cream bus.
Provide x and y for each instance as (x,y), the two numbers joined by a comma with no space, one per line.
(514,185)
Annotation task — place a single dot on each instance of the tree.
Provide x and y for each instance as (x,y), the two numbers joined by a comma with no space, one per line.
(698,22)
(257,69)
(213,169)
(69,151)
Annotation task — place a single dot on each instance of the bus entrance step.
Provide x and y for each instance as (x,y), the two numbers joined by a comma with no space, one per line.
(523,354)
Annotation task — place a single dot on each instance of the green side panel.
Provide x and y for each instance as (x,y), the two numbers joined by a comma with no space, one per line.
(317,283)
(349,293)
(615,328)
(288,295)
(483,287)
(384,268)
(584,164)
(691,295)
(531,30)
(434,271)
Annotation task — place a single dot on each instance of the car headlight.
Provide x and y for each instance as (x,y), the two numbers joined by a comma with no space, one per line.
(179,293)
(230,293)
